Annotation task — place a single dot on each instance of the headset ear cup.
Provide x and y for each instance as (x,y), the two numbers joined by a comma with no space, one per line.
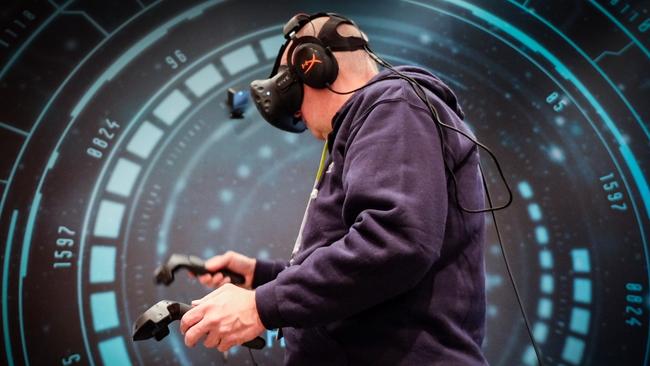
(315,65)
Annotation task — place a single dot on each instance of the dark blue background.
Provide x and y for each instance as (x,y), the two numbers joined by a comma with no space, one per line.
(117,150)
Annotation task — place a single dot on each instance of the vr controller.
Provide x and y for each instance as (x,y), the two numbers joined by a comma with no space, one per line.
(164,274)
(153,322)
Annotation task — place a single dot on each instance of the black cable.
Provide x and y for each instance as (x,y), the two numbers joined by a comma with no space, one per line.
(329,86)
(419,91)
(538,353)
(252,358)
(422,95)
(491,210)
(487,192)
(224,357)
(313,28)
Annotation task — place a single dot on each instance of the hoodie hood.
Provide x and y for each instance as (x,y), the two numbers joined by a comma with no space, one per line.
(431,82)
(392,88)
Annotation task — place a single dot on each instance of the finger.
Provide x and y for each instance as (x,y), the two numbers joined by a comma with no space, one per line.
(196,302)
(206,279)
(226,280)
(195,333)
(193,316)
(225,345)
(219,261)
(216,279)
(223,281)
(212,340)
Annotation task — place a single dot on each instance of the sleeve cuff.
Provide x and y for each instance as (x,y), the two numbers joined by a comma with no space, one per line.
(267,306)
(266,271)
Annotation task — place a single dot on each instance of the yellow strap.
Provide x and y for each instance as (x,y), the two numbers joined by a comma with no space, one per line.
(321,167)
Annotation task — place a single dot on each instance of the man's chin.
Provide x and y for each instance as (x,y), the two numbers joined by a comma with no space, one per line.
(317,134)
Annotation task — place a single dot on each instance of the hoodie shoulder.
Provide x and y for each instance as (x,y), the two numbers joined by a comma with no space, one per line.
(399,91)
(395,87)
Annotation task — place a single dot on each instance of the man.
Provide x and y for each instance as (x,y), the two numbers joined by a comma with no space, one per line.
(387,269)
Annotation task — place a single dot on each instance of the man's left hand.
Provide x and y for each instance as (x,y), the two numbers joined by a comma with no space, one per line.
(227,317)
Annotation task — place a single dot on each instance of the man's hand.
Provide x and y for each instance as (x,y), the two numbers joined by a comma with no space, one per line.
(233,261)
(227,317)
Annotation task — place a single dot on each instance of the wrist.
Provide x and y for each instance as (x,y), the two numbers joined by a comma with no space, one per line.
(258,320)
(250,273)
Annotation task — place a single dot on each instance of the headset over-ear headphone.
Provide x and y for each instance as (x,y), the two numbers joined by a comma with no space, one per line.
(311,58)
(310,61)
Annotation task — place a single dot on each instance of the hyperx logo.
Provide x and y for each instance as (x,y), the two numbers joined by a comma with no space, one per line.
(307,65)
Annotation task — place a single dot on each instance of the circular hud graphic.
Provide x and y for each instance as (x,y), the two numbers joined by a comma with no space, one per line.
(118,150)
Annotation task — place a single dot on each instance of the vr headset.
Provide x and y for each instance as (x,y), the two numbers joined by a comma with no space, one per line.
(310,61)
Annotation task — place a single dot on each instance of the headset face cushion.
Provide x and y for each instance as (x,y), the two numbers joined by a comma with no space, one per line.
(314,65)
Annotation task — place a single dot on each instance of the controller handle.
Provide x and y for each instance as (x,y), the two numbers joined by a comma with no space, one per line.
(164,274)
(154,322)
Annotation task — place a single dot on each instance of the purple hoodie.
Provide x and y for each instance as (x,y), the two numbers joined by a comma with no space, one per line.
(389,271)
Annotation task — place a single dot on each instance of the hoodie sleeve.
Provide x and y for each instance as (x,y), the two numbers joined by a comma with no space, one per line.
(267,270)
(396,207)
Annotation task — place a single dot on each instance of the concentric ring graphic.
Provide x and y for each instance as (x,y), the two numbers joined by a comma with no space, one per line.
(119,150)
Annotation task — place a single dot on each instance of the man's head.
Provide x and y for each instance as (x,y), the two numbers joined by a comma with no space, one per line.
(325,53)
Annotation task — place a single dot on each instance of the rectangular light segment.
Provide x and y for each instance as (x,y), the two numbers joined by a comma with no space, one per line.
(144,140)
(239,59)
(203,80)
(102,264)
(109,219)
(172,107)
(123,177)
(271,46)
(113,352)
(103,307)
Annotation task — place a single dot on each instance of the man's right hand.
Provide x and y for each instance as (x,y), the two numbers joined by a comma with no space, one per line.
(233,261)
